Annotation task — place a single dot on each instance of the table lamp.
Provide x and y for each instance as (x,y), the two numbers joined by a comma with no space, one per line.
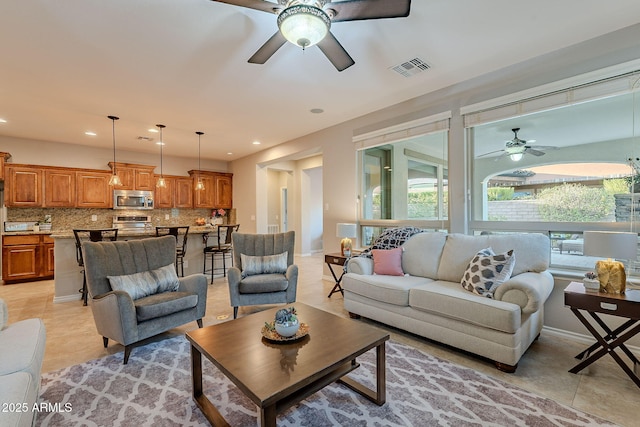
(346,231)
(611,244)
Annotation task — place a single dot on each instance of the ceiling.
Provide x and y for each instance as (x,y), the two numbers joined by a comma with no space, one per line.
(68,64)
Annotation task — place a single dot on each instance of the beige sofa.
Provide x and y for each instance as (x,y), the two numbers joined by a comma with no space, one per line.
(430,301)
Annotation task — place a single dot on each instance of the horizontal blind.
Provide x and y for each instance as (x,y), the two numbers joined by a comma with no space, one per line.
(613,86)
(431,124)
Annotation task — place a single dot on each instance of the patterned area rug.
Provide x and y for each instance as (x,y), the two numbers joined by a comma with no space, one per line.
(154,389)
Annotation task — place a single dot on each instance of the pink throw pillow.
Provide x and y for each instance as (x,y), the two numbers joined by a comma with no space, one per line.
(388,261)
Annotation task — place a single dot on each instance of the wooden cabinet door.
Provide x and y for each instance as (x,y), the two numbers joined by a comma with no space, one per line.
(164,197)
(25,187)
(127,178)
(20,257)
(183,193)
(59,188)
(49,262)
(205,198)
(224,191)
(94,190)
(145,180)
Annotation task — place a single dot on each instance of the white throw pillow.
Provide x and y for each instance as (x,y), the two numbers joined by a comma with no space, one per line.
(267,264)
(138,285)
(167,278)
(487,270)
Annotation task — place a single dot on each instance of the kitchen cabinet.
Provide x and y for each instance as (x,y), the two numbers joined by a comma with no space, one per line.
(93,189)
(183,193)
(135,177)
(24,186)
(217,191)
(164,197)
(224,191)
(3,158)
(204,198)
(59,188)
(27,257)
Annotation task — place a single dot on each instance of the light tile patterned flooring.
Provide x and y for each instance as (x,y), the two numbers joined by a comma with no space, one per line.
(602,390)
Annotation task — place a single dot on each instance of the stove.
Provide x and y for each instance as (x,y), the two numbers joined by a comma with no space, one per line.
(133,223)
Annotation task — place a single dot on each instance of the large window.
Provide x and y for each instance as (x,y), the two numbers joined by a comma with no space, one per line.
(404,181)
(566,166)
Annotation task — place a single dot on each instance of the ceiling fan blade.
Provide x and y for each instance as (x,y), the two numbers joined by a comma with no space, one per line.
(355,10)
(268,49)
(265,6)
(530,150)
(489,153)
(334,51)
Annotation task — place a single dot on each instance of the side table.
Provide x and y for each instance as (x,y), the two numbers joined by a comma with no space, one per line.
(625,305)
(340,260)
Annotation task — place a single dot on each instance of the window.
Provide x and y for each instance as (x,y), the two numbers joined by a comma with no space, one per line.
(560,164)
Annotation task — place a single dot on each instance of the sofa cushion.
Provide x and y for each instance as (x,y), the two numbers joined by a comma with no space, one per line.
(266,264)
(163,304)
(486,271)
(532,252)
(388,261)
(4,314)
(449,299)
(422,253)
(389,289)
(138,285)
(26,340)
(21,390)
(263,283)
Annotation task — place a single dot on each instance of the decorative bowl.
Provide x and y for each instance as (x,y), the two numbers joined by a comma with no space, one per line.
(591,285)
(287,329)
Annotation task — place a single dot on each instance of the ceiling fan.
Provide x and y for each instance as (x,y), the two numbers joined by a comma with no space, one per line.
(516,148)
(308,22)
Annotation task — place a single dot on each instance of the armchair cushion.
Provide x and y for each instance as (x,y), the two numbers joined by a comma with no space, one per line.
(162,304)
(263,283)
(167,278)
(138,285)
(266,264)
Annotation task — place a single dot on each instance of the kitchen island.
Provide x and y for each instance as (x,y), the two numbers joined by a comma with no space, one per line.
(68,274)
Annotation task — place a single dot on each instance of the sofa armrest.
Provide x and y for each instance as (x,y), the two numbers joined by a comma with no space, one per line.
(197,284)
(528,290)
(122,328)
(360,265)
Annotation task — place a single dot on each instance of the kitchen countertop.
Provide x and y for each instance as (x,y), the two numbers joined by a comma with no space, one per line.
(68,234)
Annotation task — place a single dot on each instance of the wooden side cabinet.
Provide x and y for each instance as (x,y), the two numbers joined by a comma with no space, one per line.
(24,187)
(27,257)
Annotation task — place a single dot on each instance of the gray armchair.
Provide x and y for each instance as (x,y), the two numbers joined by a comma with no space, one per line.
(267,288)
(120,317)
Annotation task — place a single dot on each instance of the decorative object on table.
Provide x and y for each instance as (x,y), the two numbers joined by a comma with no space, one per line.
(591,282)
(346,231)
(217,216)
(618,245)
(201,221)
(286,326)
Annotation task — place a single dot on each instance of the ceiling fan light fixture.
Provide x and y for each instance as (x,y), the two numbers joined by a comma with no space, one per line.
(304,25)
(516,157)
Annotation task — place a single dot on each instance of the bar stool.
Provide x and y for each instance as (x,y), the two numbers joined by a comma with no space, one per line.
(180,233)
(93,235)
(224,247)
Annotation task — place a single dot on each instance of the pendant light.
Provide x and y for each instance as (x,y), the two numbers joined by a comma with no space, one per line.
(115,179)
(161,182)
(199,183)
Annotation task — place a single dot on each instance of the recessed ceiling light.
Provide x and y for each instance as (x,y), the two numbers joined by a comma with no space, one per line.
(153,130)
(90,133)
(317,110)
(160,143)
(229,153)
(256,142)
(3,121)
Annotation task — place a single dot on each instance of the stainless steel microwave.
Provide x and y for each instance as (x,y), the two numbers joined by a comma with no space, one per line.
(132,199)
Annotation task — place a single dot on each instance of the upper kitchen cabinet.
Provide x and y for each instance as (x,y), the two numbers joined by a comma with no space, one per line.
(135,177)
(164,197)
(217,191)
(93,189)
(224,190)
(60,188)
(183,193)
(23,186)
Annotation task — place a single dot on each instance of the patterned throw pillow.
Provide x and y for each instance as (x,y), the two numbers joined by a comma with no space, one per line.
(487,270)
(138,285)
(267,264)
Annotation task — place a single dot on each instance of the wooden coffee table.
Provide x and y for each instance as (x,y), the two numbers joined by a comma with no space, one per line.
(276,376)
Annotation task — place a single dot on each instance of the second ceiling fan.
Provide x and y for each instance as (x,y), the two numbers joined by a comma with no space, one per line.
(307,22)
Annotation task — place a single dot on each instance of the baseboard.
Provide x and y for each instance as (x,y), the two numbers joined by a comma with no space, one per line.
(67,298)
(581,338)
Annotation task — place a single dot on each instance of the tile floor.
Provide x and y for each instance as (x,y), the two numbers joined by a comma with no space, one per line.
(602,390)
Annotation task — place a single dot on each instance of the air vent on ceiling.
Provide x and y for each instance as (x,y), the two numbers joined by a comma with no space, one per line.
(411,67)
(144,138)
